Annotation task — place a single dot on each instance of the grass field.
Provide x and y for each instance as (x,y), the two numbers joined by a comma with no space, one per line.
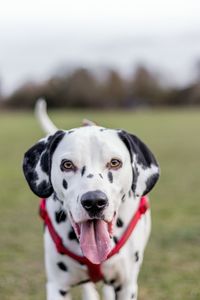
(171,268)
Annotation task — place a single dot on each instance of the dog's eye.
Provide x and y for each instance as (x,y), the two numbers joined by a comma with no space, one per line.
(67,165)
(114,164)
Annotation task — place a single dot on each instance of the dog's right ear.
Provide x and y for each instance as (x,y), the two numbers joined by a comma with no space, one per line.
(145,167)
(37,164)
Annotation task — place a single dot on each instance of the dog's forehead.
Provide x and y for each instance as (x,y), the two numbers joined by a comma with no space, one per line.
(92,138)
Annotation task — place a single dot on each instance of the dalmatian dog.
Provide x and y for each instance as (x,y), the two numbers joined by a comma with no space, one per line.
(93,179)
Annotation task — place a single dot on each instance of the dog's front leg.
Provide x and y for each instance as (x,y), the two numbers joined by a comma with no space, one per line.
(108,292)
(55,292)
(126,292)
(89,292)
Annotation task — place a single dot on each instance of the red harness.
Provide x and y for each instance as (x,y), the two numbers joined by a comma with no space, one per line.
(94,271)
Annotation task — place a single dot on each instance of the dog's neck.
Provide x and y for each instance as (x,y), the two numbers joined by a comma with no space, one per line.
(63,226)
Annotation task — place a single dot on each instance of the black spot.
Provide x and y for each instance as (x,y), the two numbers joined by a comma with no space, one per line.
(63,293)
(112,281)
(90,176)
(129,194)
(132,296)
(136,256)
(60,216)
(102,129)
(72,235)
(119,222)
(101,175)
(115,239)
(70,131)
(62,266)
(83,170)
(123,198)
(110,177)
(65,184)
(118,289)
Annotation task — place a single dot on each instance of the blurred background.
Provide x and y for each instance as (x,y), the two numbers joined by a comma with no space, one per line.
(124,64)
(118,54)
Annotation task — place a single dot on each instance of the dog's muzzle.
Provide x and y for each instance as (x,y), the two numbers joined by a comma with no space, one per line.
(94,202)
(94,233)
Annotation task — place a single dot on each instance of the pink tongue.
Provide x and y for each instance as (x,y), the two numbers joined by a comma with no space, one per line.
(95,240)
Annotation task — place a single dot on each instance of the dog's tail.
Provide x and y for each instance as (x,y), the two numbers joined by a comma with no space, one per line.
(43,118)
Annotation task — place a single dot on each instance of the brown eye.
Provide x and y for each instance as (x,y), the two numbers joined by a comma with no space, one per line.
(114,164)
(67,165)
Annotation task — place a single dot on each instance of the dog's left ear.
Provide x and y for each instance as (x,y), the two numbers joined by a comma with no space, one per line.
(145,167)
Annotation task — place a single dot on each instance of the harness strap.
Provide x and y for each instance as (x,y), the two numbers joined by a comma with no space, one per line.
(94,270)
(143,206)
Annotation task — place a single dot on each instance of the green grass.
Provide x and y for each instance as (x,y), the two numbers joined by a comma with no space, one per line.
(171,268)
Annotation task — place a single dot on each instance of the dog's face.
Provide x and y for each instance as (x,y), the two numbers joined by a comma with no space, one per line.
(90,165)
(91,169)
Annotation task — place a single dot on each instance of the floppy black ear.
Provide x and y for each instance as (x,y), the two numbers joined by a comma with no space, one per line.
(145,167)
(37,164)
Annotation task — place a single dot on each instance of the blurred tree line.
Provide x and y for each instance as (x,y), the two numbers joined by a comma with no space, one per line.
(82,88)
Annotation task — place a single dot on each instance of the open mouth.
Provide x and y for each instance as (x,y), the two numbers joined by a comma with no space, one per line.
(95,238)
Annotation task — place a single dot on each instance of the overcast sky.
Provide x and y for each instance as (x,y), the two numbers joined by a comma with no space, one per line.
(39,37)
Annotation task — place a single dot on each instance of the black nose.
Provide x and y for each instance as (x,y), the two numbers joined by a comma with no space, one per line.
(94,202)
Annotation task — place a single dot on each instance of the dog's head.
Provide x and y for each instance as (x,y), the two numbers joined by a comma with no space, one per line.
(91,169)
